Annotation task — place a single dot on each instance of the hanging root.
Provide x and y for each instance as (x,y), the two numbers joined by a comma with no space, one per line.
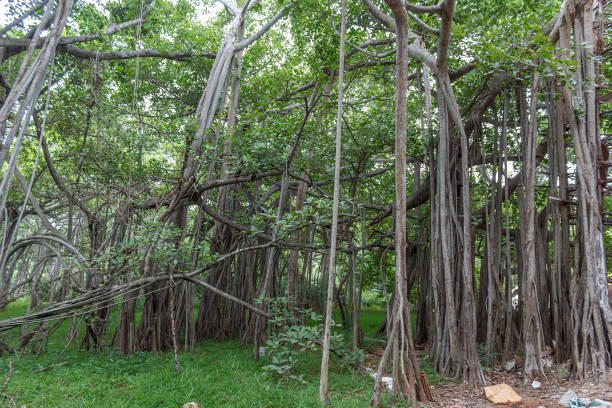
(173,327)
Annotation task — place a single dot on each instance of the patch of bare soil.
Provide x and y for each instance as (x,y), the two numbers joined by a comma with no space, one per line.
(547,395)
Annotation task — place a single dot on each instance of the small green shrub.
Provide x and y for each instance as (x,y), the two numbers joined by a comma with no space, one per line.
(290,337)
(484,356)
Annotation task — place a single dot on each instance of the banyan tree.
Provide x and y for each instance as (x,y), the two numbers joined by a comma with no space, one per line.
(165,174)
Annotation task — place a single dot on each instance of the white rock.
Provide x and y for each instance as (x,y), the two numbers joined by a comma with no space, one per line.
(509,366)
(567,397)
(536,384)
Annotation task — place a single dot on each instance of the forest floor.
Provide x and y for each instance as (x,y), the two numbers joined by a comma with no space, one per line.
(548,395)
(224,374)
(449,393)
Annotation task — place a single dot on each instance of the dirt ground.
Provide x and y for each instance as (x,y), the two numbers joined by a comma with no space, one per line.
(552,388)
(550,392)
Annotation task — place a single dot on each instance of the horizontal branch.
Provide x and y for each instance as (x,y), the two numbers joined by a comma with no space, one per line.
(416,8)
(236,180)
(316,184)
(453,75)
(103,294)
(128,54)
(15,46)
(261,235)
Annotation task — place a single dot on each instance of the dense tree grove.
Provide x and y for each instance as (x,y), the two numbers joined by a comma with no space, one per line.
(170,163)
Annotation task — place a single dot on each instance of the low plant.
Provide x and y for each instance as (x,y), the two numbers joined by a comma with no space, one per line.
(484,355)
(292,335)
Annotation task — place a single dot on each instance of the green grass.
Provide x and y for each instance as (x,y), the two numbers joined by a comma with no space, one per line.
(370,319)
(216,375)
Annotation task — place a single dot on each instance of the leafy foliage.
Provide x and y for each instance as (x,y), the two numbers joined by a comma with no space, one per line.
(291,338)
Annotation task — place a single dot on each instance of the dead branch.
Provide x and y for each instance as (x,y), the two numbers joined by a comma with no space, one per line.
(51,367)
(5,384)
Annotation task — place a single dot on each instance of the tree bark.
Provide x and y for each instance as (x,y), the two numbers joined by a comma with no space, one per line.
(531,326)
(324,381)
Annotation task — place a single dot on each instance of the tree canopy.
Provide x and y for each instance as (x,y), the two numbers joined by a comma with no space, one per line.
(171,162)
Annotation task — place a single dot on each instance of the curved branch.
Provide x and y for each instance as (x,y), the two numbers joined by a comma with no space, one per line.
(50,237)
(416,8)
(105,293)
(243,44)
(231,9)
(386,19)
(423,24)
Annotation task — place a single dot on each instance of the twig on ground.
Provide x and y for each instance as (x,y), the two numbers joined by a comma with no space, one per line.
(8,378)
(52,366)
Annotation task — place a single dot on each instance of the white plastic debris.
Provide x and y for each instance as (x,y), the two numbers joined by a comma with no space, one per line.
(262,352)
(387,381)
(567,397)
(547,363)
(570,399)
(536,384)
(579,403)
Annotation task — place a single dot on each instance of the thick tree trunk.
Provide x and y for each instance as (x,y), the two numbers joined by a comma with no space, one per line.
(531,323)
(592,331)
(406,382)
(508,333)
